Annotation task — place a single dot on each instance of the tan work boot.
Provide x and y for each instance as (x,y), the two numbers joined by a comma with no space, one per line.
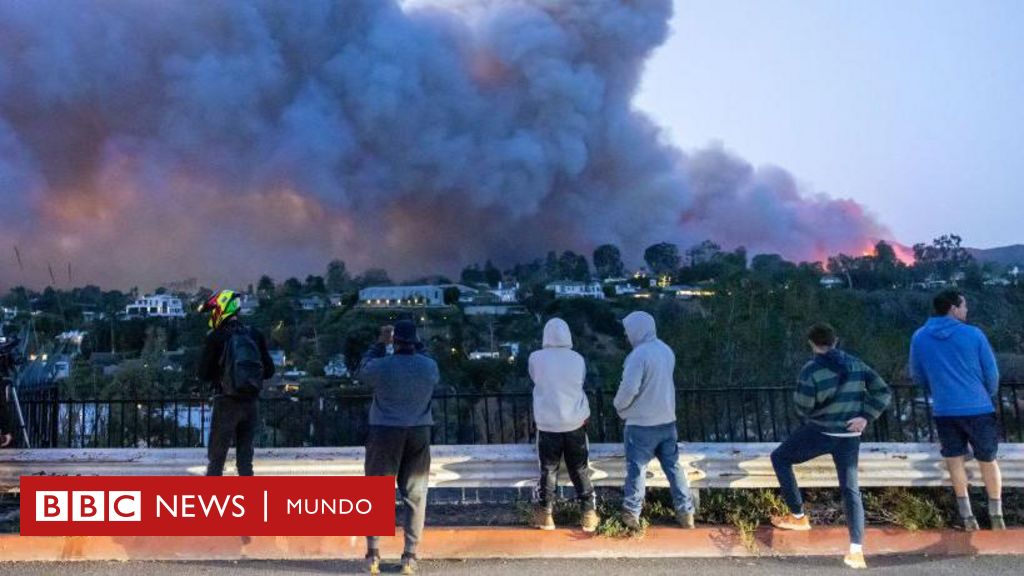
(373,562)
(409,563)
(855,560)
(791,522)
(543,519)
(590,520)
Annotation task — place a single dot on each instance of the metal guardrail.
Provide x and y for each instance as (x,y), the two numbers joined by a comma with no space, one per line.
(760,414)
(743,465)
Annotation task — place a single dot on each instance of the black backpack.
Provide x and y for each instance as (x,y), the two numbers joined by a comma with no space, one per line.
(241,364)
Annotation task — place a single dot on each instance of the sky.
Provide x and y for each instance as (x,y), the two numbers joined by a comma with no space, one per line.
(913,108)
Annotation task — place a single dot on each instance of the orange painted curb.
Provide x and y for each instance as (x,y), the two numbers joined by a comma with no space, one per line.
(476,543)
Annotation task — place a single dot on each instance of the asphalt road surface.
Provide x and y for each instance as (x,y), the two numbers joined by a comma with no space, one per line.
(901,565)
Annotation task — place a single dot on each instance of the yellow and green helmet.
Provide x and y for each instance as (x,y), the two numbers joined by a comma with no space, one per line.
(221,306)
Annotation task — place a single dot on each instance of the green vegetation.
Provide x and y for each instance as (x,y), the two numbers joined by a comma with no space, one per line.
(747,331)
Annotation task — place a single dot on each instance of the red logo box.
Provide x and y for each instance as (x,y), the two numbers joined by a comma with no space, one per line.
(202,506)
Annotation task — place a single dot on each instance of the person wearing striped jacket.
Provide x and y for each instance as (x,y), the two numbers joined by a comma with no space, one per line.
(837,396)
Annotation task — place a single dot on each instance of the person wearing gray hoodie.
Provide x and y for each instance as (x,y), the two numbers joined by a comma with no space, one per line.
(561,410)
(646,401)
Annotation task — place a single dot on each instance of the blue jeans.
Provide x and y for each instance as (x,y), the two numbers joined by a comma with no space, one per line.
(643,443)
(807,443)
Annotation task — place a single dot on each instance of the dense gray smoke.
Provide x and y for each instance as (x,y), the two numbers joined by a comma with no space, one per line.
(150,141)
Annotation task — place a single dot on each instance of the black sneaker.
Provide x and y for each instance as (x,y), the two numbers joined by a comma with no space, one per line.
(998,523)
(631,522)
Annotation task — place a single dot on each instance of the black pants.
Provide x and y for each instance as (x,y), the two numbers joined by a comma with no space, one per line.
(404,453)
(575,448)
(234,418)
(6,421)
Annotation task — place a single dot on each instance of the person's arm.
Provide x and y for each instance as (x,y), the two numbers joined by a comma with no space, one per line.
(268,362)
(210,358)
(632,378)
(378,349)
(878,395)
(806,394)
(375,351)
(917,373)
(989,368)
(435,378)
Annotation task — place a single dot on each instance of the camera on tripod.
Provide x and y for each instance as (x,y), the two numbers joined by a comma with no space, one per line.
(10,356)
(11,359)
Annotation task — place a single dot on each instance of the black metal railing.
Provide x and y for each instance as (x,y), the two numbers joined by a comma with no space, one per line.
(761,414)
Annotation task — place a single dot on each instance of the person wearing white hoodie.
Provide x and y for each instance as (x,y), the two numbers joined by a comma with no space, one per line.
(646,400)
(561,410)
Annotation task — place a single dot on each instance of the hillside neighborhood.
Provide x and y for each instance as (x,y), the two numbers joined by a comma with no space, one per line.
(88,342)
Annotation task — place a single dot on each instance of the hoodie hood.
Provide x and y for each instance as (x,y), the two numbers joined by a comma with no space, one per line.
(837,361)
(942,327)
(640,328)
(556,334)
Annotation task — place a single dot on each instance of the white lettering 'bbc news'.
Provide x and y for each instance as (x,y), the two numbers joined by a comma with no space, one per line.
(88,506)
(324,506)
(184,506)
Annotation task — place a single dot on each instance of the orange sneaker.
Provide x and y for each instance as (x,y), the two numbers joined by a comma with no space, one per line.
(790,522)
(855,560)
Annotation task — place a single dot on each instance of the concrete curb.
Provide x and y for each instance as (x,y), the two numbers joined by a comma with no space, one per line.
(477,543)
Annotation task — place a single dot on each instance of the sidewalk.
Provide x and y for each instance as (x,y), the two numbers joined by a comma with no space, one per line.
(479,543)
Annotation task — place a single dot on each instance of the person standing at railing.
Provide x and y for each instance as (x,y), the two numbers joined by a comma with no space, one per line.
(837,396)
(235,361)
(398,443)
(954,363)
(561,410)
(646,400)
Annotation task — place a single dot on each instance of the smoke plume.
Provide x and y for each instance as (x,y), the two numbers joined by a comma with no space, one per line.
(150,141)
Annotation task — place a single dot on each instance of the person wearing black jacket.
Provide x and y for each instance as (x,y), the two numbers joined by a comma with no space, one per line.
(6,426)
(235,415)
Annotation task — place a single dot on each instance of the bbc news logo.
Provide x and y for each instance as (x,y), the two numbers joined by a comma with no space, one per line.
(89,506)
(201,506)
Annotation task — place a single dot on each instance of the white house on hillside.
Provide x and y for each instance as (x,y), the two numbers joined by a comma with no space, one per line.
(403,296)
(565,289)
(155,306)
(831,281)
(507,294)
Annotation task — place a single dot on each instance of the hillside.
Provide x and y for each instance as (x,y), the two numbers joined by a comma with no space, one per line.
(1005,255)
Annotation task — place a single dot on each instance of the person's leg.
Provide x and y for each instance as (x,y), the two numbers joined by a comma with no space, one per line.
(953,439)
(549,455)
(577,460)
(413,480)
(984,439)
(639,449)
(245,434)
(384,446)
(222,431)
(667,452)
(804,444)
(993,478)
(846,455)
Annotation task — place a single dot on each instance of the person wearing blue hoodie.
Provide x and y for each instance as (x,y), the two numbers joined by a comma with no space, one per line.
(954,363)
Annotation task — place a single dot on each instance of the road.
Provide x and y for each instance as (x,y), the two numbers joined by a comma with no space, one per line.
(901,565)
